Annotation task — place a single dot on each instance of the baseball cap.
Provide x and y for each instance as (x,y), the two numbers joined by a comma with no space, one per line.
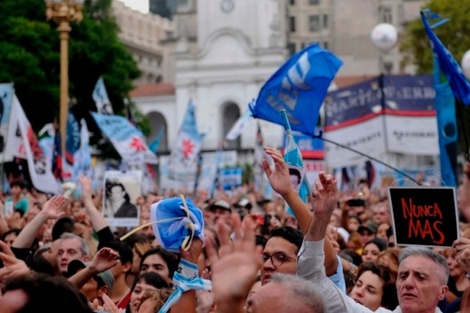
(370,227)
(106,276)
(221,204)
(243,203)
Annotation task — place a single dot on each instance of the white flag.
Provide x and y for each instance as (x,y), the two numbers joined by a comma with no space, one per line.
(239,126)
(100,96)
(41,176)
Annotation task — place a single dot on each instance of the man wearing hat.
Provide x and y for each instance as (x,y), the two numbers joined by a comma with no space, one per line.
(366,232)
(94,278)
(222,210)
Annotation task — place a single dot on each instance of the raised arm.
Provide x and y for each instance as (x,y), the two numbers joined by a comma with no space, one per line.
(235,267)
(103,260)
(51,210)
(97,220)
(280,182)
(311,255)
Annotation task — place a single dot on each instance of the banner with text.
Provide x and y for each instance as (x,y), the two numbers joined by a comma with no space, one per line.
(353,118)
(410,116)
(424,216)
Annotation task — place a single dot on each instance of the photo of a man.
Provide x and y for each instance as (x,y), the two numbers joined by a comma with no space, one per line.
(121,190)
(118,201)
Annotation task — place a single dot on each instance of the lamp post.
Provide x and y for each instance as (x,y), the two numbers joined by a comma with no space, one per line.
(384,37)
(63,12)
(465,64)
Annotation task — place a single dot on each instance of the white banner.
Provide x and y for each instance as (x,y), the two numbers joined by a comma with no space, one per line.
(415,135)
(366,137)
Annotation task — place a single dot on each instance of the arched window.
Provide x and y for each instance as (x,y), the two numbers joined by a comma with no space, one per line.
(231,113)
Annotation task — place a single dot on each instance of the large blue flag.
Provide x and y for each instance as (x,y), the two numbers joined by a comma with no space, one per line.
(450,67)
(293,157)
(298,87)
(447,127)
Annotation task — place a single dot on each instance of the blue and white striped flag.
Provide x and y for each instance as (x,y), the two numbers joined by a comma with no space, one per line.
(293,157)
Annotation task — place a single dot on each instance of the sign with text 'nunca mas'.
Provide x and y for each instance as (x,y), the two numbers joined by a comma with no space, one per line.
(424,216)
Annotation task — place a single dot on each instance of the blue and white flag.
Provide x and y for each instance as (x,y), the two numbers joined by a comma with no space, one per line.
(128,141)
(457,81)
(293,158)
(239,126)
(447,127)
(298,87)
(6,97)
(185,154)
(100,96)
(82,158)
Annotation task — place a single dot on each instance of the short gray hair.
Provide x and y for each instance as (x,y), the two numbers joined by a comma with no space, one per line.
(429,254)
(84,248)
(305,292)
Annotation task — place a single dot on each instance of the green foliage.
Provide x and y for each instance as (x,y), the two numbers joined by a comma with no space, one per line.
(454,34)
(30,58)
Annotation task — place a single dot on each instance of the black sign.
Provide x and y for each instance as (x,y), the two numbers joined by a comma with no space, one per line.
(424,216)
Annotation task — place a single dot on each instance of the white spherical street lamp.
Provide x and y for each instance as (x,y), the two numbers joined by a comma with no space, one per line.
(384,36)
(465,64)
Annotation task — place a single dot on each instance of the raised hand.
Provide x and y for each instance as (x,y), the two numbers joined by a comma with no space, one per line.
(11,265)
(325,194)
(87,191)
(279,178)
(104,259)
(52,208)
(235,268)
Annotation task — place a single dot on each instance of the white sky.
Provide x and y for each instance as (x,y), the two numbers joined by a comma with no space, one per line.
(140,5)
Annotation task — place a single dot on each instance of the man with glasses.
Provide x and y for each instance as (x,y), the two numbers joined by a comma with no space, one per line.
(280,252)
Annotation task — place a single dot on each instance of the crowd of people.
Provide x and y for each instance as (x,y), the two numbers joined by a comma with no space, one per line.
(334,253)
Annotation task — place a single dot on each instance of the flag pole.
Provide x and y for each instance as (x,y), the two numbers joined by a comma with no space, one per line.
(320,136)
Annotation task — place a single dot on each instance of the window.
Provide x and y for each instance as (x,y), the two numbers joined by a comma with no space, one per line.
(314,23)
(291,48)
(292,2)
(387,15)
(313,2)
(292,23)
(325,21)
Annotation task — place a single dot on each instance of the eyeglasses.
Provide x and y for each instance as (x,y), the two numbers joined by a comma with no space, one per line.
(277,258)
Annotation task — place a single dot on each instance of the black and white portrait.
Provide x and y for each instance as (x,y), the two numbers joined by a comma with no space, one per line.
(121,190)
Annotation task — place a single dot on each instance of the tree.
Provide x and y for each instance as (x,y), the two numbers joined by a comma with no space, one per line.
(29,54)
(453,34)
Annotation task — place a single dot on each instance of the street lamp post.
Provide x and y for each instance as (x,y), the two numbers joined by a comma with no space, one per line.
(63,12)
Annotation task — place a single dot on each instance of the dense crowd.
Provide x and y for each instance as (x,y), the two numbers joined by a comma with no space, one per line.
(335,253)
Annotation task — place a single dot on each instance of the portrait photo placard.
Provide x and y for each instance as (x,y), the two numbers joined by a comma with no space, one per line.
(424,216)
(120,192)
